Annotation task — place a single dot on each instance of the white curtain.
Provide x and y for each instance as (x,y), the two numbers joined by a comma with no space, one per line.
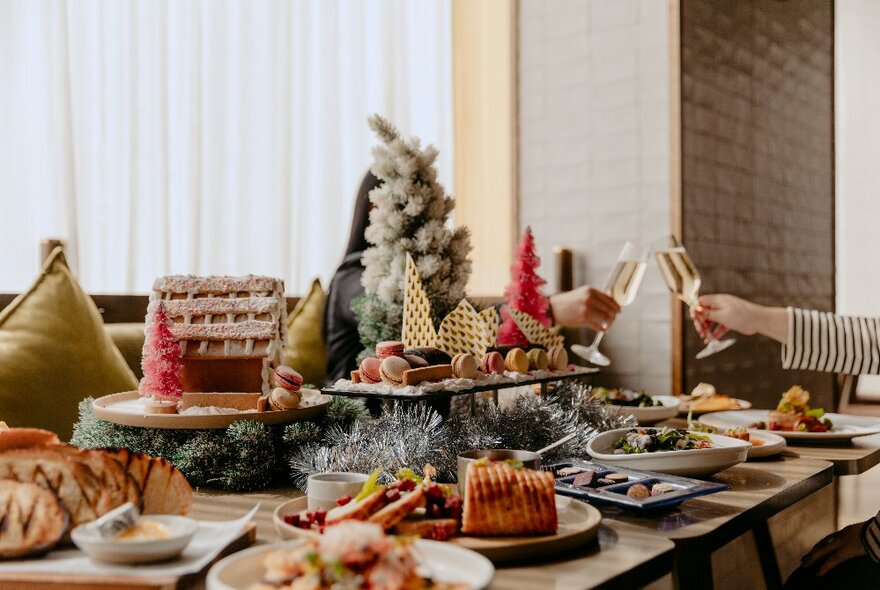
(208,137)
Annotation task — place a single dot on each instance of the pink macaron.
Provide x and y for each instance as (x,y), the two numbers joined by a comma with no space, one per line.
(492,362)
(288,378)
(389,348)
(370,370)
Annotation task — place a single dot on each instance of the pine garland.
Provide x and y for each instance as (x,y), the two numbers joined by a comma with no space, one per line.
(247,456)
(409,216)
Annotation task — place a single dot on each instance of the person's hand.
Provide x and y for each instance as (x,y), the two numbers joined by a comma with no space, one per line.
(727,313)
(834,549)
(584,306)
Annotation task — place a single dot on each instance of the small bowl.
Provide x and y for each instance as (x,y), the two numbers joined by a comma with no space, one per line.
(323,489)
(87,538)
(528,459)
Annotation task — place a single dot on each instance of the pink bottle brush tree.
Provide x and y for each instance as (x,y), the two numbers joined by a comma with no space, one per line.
(523,293)
(161,358)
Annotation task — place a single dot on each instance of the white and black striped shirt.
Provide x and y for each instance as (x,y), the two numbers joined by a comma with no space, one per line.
(823,341)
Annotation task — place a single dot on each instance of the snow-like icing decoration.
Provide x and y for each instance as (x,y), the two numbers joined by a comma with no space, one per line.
(247,330)
(221,284)
(221,306)
(213,411)
(453,384)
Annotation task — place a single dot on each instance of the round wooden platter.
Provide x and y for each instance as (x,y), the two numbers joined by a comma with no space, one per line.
(578,524)
(127,408)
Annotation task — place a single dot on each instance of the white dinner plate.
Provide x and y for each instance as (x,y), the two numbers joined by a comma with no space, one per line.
(725,452)
(771,444)
(578,524)
(654,414)
(844,426)
(445,562)
(685,408)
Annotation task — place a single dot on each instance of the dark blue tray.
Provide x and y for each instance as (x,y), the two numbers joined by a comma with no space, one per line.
(685,487)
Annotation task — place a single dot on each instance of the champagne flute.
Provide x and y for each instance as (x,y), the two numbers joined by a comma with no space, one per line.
(683,279)
(622,285)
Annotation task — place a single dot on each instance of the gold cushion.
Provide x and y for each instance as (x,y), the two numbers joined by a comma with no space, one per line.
(54,352)
(304,350)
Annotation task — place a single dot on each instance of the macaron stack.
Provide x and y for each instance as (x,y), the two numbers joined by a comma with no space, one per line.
(286,395)
(396,366)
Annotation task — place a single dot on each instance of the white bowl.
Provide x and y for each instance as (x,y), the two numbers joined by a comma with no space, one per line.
(323,489)
(87,538)
(725,452)
(448,562)
(652,415)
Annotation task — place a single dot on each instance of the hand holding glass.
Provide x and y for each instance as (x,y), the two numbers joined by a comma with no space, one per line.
(622,285)
(683,279)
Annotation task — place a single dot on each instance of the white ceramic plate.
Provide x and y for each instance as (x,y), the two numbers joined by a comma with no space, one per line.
(773,444)
(652,415)
(725,452)
(446,562)
(844,426)
(127,408)
(87,538)
(578,523)
(685,406)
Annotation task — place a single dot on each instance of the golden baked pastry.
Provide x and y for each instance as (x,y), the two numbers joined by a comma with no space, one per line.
(504,500)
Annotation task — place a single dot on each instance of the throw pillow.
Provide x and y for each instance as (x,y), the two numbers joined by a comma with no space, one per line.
(304,349)
(54,352)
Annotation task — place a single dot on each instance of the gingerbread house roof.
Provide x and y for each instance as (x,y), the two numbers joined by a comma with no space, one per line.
(225,317)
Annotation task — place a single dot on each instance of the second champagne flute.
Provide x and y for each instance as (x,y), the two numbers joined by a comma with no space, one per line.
(622,285)
(683,279)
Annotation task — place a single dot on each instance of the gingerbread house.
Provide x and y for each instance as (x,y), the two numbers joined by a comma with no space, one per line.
(231,331)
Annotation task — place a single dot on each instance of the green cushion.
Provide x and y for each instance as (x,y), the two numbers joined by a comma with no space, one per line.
(54,352)
(304,350)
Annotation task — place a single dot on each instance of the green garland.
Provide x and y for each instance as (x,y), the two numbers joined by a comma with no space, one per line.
(246,456)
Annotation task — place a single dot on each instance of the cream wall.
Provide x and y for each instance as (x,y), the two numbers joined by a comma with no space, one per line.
(594,153)
(857,111)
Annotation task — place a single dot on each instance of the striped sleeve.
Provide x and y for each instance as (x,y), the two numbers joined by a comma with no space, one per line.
(871,538)
(823,341)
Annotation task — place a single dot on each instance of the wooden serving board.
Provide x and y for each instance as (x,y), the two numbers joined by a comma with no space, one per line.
(127,409)
(38,581)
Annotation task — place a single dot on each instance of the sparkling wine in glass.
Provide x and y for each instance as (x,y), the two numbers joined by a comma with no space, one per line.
(683,279)
(622,285)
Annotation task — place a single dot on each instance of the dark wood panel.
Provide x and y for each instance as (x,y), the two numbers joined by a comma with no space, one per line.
(757,132)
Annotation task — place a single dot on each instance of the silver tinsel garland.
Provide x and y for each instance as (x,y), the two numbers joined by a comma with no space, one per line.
(411,436)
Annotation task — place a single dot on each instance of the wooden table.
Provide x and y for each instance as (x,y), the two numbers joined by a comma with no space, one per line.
(760,491)
(632,550)
(624,555)
(850,458)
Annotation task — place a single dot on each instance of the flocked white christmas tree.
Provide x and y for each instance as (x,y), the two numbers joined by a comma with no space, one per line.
(410,213)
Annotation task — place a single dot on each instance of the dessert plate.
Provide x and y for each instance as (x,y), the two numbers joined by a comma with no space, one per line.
(445,561)
(725,452)
(654,414)
(578,523)
(770,444)
(127,408)
(734,404)
(846,426)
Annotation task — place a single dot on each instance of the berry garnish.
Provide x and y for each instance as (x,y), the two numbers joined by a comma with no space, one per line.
(320,515)
(343,500)
(292,519)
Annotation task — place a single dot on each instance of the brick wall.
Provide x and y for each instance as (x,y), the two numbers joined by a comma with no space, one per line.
(594,156)
(758,173)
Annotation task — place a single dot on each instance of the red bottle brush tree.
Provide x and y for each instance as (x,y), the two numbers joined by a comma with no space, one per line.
(161,358)
(524,292)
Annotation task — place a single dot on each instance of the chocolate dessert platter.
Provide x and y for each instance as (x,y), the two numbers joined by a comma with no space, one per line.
(459,358)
